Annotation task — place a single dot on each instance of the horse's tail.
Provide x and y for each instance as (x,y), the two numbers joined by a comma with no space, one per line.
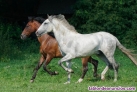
(128,52)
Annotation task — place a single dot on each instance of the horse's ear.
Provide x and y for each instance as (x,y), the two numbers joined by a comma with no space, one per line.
(50,18)
(30,18)
(61,15)
(47,16)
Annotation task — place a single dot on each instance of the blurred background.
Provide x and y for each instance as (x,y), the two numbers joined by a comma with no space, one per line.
(118,17)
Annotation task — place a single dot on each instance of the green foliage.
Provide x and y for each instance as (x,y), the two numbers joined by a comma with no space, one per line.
(116,17)
(11,46)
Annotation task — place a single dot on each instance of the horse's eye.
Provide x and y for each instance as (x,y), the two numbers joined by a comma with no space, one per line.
(27,26)
(45,23)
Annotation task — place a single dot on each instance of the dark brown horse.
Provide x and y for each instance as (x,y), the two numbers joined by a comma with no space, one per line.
(49,49)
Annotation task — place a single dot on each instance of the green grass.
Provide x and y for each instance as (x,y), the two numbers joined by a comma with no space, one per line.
(15,76)
(18,59)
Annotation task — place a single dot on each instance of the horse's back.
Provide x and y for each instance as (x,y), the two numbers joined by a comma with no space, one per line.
(87,44)
(94,42)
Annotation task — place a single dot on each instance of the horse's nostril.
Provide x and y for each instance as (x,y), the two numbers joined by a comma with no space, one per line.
(37,33)
(21,36)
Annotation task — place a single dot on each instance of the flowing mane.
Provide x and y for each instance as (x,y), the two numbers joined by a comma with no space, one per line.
(39,19)
(63,21)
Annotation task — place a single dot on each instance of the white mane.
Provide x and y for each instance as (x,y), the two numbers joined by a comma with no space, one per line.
(63,21)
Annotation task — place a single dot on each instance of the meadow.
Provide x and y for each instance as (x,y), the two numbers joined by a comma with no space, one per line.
(15,75)
(18,59)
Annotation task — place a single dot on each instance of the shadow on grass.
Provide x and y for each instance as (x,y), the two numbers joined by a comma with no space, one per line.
(98,78)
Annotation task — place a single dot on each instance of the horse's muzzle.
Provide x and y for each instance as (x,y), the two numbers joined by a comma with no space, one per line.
(23,37)
(37,34)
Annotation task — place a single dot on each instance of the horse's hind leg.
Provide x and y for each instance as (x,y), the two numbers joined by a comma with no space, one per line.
(111,64)
(115,67)
(42,59)
(48,59)
(103,57)
(85,68)
(104,72)
(95,64)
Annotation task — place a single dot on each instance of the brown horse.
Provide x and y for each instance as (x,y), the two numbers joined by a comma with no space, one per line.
(49,49)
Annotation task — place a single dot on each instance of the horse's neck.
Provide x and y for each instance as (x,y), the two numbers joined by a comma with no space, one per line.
(37,25)
(63,33)
(44,37)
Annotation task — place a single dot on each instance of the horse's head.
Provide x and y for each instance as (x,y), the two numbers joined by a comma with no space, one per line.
(31,27)
(50,24)
(45,27)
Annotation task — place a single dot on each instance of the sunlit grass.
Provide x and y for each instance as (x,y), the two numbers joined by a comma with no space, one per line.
(15,75)
(18,59)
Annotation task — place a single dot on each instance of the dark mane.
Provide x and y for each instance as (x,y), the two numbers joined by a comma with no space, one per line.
(39,19)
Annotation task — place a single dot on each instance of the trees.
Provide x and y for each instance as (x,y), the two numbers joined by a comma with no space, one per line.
(118,17)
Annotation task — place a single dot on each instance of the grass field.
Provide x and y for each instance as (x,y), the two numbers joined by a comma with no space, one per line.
(15,75)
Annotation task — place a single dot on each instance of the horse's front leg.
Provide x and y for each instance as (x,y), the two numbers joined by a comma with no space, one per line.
(68,64)
(67,58)
(48,60)
(42,59)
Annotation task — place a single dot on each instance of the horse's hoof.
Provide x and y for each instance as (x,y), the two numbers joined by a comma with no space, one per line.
(80,80)
(56,73)
(59,63)
(115,80)
(68,82)
(31,81)
(95,75)
(70,71)
(103,79)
